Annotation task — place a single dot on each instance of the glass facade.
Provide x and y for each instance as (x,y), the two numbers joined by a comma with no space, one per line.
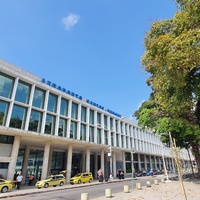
(35,121)
(36,108)
(64,107)
(38,98)
(74,113)
(50,125)
(6,85)
(91,134)
(73,130)
(52,103)
(62,130)
(3,112)
(23,92)
(18,117)
(83,132)
(83,113)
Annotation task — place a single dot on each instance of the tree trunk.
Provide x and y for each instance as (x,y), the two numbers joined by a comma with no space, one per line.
(195,149)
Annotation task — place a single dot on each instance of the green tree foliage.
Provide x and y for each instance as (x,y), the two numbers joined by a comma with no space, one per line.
(172,59)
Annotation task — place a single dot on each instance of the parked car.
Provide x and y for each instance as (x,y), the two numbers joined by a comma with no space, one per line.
(141,173)
(5,185)
(52,180)
(82,178)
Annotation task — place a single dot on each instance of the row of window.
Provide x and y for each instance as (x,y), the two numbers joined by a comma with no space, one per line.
(46,107)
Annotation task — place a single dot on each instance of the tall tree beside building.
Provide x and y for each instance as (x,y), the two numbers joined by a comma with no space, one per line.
(172,58)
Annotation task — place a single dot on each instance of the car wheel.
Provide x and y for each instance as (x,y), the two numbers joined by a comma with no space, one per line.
(79,181)
(46,185)
(4,189)
(90,181)
(61,183)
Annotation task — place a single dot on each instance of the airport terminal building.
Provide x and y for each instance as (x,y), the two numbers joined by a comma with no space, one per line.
(46,128)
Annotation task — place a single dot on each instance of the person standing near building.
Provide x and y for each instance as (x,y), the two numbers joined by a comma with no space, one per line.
(100,175)
(31,179)
(19,180)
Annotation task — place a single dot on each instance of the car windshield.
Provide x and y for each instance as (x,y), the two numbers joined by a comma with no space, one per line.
(78,175)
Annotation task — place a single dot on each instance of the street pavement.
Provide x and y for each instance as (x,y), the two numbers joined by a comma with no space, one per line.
(27,190)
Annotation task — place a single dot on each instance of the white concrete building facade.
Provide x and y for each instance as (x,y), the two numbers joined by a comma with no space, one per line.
(45,128)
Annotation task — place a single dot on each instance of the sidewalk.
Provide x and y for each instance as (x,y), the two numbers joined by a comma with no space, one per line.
(26,189)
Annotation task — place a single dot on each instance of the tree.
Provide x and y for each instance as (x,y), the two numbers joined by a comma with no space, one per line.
(172,59)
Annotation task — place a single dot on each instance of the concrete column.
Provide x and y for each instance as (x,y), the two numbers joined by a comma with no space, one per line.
(139,162)
(114,165)
(45,160)
(25,163)
(124,162)
(13,160)
(145,162)
(96,165)
(83,163)
(88,159)
(69,163)
(102,161)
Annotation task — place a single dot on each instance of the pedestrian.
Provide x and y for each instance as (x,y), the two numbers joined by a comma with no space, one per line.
(31,179)
(15,178)
(19,180)
(100,175)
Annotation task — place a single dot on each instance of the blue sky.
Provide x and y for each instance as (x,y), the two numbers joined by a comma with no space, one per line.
(91,47)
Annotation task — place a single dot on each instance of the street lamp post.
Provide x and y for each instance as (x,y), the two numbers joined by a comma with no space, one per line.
(132,164)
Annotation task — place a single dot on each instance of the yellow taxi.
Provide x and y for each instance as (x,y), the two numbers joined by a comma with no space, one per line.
(5,185)
(52,180)
(82,178)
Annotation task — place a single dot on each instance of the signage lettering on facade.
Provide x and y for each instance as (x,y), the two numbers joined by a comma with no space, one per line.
(47,82)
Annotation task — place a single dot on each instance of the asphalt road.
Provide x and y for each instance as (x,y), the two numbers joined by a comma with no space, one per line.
(94,191)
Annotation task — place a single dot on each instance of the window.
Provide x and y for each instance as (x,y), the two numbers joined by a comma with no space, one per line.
(6,139)
(3,112)
(3,165)
(112,139)
(98,136)
(38,98)
(122,141)
(50,125)
(83,132)
(6,85)
(73,130)
(35,121)
(91,134)
(91,116)
(57,162)
(23,92)
(74,113)
(18,117)
(83,114)
(98,118)
(52,103)
(64,107)
(106,137)
(62,130)
(105,121)
(117,140)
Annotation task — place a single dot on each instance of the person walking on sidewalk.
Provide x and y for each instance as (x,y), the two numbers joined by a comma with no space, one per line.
(19,180)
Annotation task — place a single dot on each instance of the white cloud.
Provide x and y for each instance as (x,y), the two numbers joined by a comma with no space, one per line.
(70,21)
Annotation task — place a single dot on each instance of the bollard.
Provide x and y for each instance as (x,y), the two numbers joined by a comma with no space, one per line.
(162,180)
(148,183)
(138,186)
(84,196)
(156,182)
(126,188)
(108,193)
